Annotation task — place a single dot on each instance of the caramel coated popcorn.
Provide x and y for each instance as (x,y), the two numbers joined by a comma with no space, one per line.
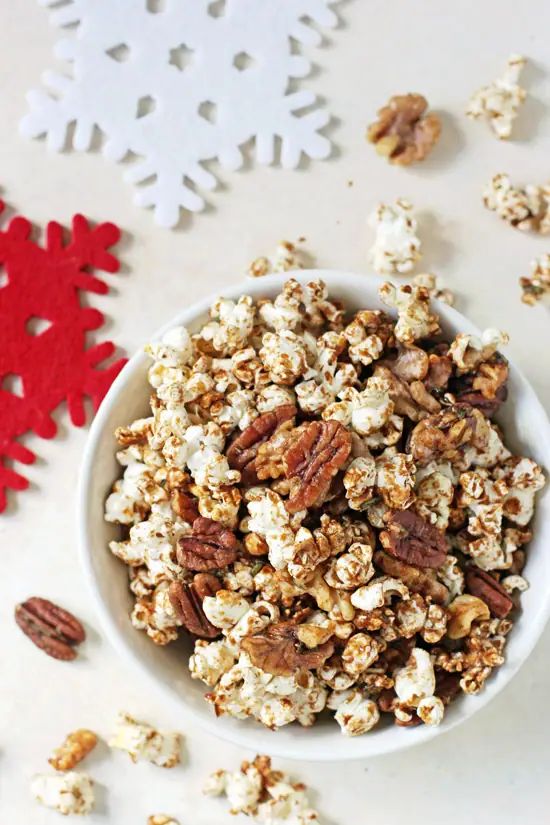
(499,103)
(74,749)
(267,795)
(286,258)
(526,209)
(321,500)
(142,742)
(67,793)
(397,247)
(536,288)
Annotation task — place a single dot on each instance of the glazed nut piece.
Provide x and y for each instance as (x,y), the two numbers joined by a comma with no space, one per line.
(209,547)
(487,588)
(142,742)
(242,453)
(463,612)
(74,749)
(187,602)
(499,103)
(277,651)
(51,628)
(404,133)
(413,540)
(314,456)
(67,793)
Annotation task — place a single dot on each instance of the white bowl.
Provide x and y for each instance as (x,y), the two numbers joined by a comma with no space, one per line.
(527,429)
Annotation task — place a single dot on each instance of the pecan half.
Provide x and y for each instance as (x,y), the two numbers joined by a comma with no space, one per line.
(52,629)
(185,505)
(210,546)
(400,394)
(316,453)
(464,392)
(242,452)
(490,377)
(420,581)
(447,686)
(439,371)
(411,364)
(403,132)
(446,435)
(413,722)
(186,599)
(486,588)
(413,540)
(278,651)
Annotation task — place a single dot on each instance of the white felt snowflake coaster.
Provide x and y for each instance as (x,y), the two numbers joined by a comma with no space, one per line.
(179,82)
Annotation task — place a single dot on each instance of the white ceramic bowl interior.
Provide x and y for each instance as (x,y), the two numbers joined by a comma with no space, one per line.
(527,429)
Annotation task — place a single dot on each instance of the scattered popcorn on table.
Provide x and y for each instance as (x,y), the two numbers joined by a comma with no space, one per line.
(267,795)
(286,258)
(537,287)
(320,499)
(67,793)
(526,209)
(162,819)
(500,101)
(142,742)
(74,749)
(396,247)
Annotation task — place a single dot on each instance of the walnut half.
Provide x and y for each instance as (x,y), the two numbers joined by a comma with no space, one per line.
(403,132)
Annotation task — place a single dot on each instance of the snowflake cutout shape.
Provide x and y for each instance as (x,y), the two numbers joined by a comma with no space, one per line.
(183,84)
(44,359)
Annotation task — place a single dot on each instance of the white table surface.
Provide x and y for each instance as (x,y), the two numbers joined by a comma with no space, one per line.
(494,769)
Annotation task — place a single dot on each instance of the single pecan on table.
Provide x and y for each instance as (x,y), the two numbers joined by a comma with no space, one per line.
(186,599)
(243,451)
(210,546)
(423,581)
(446,435)
(278,651)
(403,132)
(52,629)
(485,587)
(413,540)
(316,452)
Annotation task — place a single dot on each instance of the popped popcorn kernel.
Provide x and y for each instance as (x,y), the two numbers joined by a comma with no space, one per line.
(267,795)
(414,320)
(397,247)
(142,742)
(67,793)
(499,103)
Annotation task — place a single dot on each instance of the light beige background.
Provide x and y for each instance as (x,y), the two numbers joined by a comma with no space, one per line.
(495,768)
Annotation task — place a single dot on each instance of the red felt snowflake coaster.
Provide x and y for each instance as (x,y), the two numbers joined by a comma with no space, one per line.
(43,355)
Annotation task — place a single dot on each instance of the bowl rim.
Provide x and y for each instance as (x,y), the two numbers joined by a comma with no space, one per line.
(297,749)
